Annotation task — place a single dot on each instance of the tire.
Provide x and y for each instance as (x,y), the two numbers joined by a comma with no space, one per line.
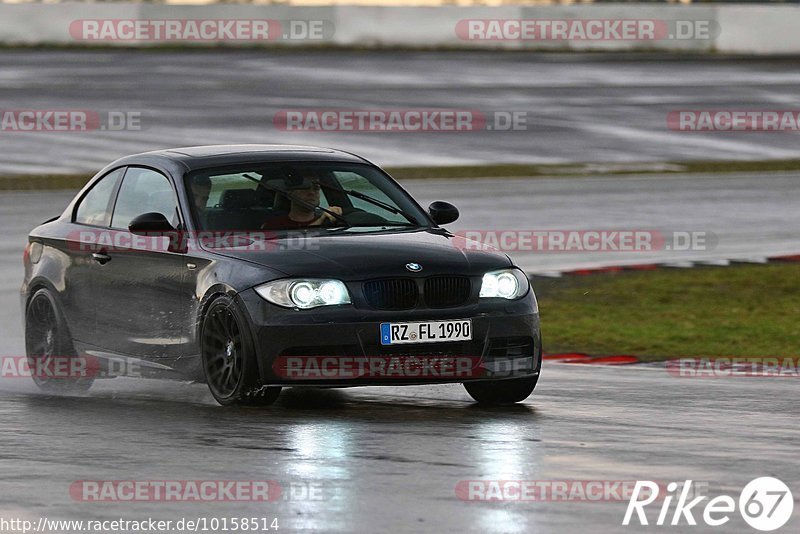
(48,342)
(500,392)
(228,357)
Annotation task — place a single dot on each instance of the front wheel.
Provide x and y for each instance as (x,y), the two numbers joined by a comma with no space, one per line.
(229,359)
(502,391)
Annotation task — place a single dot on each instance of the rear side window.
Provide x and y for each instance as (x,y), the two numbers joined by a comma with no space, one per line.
(144,191)
(227,182)
(94,207)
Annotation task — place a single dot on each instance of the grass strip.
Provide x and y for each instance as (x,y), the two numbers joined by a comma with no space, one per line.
(740,310)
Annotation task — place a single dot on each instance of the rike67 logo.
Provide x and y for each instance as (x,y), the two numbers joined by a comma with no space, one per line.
(765,504)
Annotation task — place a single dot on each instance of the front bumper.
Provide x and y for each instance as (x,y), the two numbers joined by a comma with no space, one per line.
(340,346)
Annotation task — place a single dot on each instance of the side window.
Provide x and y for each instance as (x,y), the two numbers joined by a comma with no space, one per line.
(228,182)
(144,191)
(93,208)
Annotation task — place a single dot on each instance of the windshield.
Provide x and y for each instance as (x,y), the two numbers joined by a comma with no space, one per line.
(292,196)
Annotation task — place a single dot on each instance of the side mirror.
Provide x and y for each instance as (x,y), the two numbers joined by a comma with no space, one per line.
(151,223)
(443,212)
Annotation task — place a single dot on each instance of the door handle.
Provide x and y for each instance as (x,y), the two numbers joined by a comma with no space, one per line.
(102,259)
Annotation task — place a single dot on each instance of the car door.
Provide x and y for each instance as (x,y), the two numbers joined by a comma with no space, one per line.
(145,307)
(81,248)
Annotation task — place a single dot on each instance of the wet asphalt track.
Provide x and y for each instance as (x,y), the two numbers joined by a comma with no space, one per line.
(579,107)
(388,460)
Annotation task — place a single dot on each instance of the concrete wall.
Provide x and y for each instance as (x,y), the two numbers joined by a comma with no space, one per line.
(749,29)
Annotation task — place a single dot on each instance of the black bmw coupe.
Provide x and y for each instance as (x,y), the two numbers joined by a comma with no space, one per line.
(257,267)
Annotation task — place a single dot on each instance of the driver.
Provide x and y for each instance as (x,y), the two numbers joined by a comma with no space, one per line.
(303,191)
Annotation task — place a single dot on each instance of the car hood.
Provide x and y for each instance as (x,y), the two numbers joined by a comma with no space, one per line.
(357,256)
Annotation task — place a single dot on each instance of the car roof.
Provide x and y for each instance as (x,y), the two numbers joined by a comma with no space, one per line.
(200,157)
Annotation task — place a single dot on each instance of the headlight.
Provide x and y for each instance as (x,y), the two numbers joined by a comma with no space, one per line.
(506,284)
(305,293)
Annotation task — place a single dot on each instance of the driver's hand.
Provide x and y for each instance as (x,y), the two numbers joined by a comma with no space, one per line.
(327,217)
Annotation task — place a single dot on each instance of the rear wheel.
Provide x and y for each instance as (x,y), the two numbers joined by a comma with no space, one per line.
(229,359)
(502,391)
(49,348)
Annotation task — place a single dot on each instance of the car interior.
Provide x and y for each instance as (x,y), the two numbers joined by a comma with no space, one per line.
(239,203)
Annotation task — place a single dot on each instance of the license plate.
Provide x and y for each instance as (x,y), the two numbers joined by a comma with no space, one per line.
(426,332)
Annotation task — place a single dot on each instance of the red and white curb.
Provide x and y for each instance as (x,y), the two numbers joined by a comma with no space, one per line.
(579,357)
(694,367)
(666,265)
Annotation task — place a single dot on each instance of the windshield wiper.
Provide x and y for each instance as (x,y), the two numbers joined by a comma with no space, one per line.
(299,201)
(375,202)
(372,227)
